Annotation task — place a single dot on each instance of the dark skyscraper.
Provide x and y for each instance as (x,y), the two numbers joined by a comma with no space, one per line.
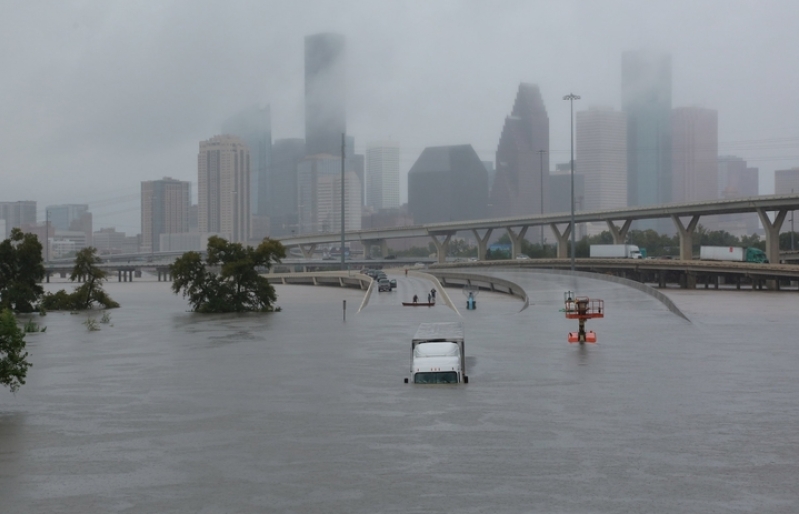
(646,99)
(286,154)
(447,183)
(325,93)
(521,170)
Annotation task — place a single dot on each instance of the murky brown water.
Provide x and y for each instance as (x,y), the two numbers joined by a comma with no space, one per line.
(167,411)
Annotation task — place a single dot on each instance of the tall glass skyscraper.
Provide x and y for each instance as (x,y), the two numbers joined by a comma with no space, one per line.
(325,93)
(286,154)
(646,99)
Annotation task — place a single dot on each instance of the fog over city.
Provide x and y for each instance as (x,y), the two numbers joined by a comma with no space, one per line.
(97,96)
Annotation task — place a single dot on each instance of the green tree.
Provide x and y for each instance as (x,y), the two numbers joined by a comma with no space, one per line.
(89,292)
(755,242)
(416,251)
(21,271)
(13,366)
(237,286)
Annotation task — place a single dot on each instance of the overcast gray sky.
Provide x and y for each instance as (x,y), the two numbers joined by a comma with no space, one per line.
(96,96)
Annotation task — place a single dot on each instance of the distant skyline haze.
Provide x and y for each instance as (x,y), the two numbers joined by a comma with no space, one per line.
(99,96)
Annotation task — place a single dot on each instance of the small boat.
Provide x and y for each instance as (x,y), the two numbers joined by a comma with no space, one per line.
(418,304)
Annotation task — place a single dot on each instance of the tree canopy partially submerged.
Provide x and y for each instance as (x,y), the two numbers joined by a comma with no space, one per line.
(228,280)
(87,294)
(13,366)
(21,271)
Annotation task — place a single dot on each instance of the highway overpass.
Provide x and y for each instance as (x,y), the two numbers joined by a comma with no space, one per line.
(771,209)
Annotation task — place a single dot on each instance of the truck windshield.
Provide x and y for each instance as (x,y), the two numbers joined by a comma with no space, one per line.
(436,377)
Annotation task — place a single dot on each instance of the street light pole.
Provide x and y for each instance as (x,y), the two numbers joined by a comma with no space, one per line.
(541,191)
(571,97)
(343,148)
(792,238)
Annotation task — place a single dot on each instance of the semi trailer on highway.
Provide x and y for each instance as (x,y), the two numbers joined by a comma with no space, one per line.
(438,354)
(732,254)
(615,252)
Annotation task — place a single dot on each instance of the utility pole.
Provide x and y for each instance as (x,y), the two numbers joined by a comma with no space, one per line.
(47,234)
(541,190)
(343,149)
(571,97)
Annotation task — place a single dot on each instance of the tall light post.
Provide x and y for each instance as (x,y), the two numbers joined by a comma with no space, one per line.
(792,238)
(571,97)
(541,191)
(343,149)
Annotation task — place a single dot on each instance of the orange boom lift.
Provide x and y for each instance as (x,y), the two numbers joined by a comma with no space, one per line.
(582,309)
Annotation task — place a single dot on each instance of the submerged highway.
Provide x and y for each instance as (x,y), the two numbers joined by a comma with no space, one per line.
(163,410)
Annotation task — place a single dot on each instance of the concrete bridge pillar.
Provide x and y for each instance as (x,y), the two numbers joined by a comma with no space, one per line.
(307,250)
(686,236)
(369,243)
(119,275)
(482,243)
(563,239)
(516,240)
(383,248)
(772,233)
(442,247)
(619,234)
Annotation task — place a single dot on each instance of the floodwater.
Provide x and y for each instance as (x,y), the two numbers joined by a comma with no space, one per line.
(166,411)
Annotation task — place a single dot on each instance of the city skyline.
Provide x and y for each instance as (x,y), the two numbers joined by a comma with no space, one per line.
(66,132)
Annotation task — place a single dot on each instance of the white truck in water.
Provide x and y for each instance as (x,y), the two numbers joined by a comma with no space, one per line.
(438,354)
(615,252)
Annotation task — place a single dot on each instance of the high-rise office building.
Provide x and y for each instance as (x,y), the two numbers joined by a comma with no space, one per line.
(786,181)
(601,148)
(286,155)
(735,179)
(319,196)
(695,150)
(560,193)
(447,183)
(325,93)
(382,175)
(223,166)
(62,216)
(521,181)
(254,127)
(71,218)
(164,210)
(17,214)
(646,99)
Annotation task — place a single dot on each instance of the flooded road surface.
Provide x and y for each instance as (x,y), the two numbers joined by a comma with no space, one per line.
(167,411)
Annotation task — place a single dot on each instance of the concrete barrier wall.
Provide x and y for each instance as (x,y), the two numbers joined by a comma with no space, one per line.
(651,291)
(487,282)
(323,278)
